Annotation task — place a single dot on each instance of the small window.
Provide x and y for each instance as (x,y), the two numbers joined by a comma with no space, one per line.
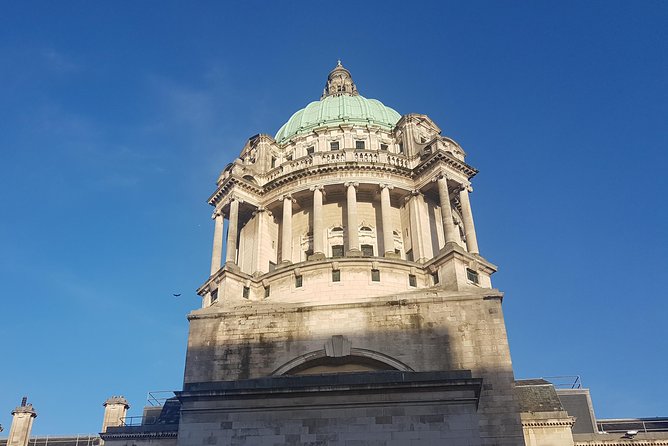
(299,281)
(365,229)
(267,291)
(337,251)
(337,229)
(367,250)
(288,158)
(472,276)
(359,145)
(214,295)
(383,147)
(375,275)
(401,147)
(412,280)
(246,292)
(273,162)
(336,275)
(334,145)
(434,278)
(310,150)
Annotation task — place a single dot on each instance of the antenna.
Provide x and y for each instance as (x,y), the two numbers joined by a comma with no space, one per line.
(24,401)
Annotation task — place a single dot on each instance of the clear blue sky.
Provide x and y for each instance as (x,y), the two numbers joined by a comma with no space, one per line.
(116,117)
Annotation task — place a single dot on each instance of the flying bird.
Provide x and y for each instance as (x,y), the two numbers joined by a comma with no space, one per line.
(176,295)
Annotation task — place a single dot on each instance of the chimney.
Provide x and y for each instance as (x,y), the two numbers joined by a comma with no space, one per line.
(19,434)
(115,408)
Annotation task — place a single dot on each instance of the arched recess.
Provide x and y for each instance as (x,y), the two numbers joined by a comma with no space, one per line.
(358,360)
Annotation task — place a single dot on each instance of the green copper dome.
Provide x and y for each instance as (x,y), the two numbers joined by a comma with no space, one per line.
(340,103)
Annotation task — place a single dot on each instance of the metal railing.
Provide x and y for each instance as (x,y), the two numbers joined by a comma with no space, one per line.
(158,397)
(565,381)
(138,421)
(630,424)
(76,440)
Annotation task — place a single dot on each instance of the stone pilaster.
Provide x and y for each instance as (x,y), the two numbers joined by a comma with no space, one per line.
(318,225)
(353,225)
(217,254)
(19,433)
(467,219)
(286,234)
(232,233)
(386,219)
(258,263)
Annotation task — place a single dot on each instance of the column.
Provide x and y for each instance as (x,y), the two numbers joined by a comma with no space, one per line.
(286,234)
(318,224)
(232,232)
(386,219)
(217,254)
(259,260)
(353,226)
(467,218)
(449,229)
(115,409)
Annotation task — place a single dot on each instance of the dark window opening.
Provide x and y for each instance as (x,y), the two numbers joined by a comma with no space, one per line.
(472,276)
(336,275)
(401,147)
(435,278)
(214,295)
(246,292)
(288,158)
(383,147)
(299,281)
(334,145)
(310,150)
(412,280)
(359,145)
(267,291)
(273,162)
(367,250)
(375,275)
(337,251)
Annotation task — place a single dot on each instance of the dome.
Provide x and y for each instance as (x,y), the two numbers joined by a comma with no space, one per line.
(335,110)
(340,103)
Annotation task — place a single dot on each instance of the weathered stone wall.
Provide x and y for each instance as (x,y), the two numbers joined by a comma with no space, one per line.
(426,330)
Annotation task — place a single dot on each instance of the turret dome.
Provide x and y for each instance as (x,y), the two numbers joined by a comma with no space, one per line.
(340,103)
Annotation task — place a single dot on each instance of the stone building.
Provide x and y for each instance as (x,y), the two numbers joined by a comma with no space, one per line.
(348,302)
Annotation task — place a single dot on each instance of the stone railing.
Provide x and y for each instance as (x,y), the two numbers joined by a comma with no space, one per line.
(340,156)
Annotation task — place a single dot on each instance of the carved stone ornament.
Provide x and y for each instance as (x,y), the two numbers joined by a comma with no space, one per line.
(338,346)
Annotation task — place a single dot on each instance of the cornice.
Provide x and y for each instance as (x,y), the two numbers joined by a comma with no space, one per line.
(120,436)
(228,184)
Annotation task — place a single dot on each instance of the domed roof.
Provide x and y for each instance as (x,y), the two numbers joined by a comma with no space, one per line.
(340,103)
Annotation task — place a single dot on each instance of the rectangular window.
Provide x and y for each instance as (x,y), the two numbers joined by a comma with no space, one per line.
(434,278)
(375,275)
(367,250)
(310,150)
(267,291)
(401,147)
(472,276)
(214,295)
(299,281)
(337,251)
(383,147)
(336,275)
(273,162)
(412,280)
(246,292)
(359,145)
(334,145)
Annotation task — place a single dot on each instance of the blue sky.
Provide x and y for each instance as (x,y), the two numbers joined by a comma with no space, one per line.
(116,117)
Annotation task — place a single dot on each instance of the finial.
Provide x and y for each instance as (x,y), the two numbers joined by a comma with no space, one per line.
(338,62)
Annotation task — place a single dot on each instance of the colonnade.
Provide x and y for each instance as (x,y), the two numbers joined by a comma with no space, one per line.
(353,248)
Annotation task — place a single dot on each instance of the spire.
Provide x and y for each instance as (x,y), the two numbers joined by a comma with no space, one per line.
(339,82)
